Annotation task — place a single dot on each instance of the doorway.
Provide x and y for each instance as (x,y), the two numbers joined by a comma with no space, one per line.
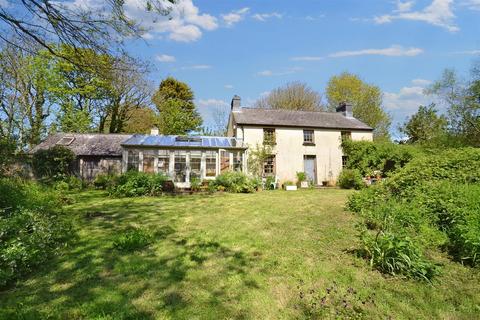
(310,165)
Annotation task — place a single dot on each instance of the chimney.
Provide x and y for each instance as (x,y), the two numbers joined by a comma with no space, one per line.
(346,109)
(236,103)
(154,131)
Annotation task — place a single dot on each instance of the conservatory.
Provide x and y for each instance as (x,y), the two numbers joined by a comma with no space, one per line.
(183,158)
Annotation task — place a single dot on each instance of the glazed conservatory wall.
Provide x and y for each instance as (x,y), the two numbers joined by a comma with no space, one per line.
(183,165)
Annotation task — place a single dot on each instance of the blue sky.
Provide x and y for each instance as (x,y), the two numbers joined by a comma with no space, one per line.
(225,47)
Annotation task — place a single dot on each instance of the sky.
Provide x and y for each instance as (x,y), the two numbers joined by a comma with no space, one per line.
(226,47)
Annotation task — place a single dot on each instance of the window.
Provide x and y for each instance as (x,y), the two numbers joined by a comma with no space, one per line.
(180,166)
(163,162)
(269,166)
(224,161)
(237,161)
(195,164)
(346,135)
(269,136)
(132,161)
(148,161)
(211,163)
(308,137)
(344,161)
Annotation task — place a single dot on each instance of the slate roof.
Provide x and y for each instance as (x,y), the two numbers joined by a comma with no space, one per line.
(171,141)
(94,144)
(292,118)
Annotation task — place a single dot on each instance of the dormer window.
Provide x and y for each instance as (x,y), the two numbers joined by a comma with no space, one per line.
(269,136)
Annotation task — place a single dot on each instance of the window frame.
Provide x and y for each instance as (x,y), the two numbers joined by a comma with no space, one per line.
(271,158)
(269,136)
(309,143)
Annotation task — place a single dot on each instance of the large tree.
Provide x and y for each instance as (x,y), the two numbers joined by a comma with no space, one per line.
(177,111)
(366,99)
(24,96)
(425,125)
(292,96)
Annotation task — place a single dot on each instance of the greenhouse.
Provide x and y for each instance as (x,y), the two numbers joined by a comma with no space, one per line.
(183,158)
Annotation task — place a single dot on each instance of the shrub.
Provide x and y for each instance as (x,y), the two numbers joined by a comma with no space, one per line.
(7,152)
(52,164)
(133,240)
(105,181)
(134,184)
(432,201)
(70,183)
(350,179)
(301,176)
(236,182)
(195,184)
(394,254)
(31,228)
(270,183)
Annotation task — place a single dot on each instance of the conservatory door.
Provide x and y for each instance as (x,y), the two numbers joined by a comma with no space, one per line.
(180,166)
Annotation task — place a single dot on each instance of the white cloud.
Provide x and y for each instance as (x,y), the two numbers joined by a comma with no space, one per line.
(265,16)
(5,4)
(197,67)
(165,58)
(421,82)
(228,86)
(235,16)
(393,51)
(472,4)
(307,58)
(270,73)
(439,13)
(212,103)
(184,24)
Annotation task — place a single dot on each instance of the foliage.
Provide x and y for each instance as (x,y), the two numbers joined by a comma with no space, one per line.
(135,184)
(366,99)
(270,183)
(301,176)
(133,240)
(288,183)
(292,96)
(425,125)
(31,228)
(69,183)
(175,102)
(105,181)
(7,152)
(52,164)
(397,255)
(432,202)
(257,157)
(236,182)
(195,183)
(463,104)
(386,157)
(350,179)
(140,120)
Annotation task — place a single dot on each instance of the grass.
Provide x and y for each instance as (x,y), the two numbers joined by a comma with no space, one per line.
(270,255)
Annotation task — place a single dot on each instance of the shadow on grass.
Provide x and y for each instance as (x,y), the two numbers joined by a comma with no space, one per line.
(93,280)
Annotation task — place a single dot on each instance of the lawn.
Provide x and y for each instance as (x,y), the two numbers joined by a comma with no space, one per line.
(269,255)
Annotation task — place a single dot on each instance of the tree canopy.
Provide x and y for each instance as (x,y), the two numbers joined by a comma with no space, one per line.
(366,99)
(292,96)
(177,111)
(425,125)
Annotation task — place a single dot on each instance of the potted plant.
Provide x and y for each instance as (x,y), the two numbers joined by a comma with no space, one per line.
(302,180)
(289,186)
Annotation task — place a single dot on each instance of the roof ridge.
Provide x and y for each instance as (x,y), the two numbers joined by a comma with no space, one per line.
(291,110)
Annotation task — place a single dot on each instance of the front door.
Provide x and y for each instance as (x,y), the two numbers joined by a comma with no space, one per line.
(310,168)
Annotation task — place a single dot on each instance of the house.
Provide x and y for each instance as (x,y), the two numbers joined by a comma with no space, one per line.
(301,141)
(95,153)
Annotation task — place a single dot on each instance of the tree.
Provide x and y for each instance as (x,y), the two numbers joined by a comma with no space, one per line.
(366,99)
(292,96)
(177,111)
(89,25)
(461,98)
(24,97)
(140,120)
(424,125)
